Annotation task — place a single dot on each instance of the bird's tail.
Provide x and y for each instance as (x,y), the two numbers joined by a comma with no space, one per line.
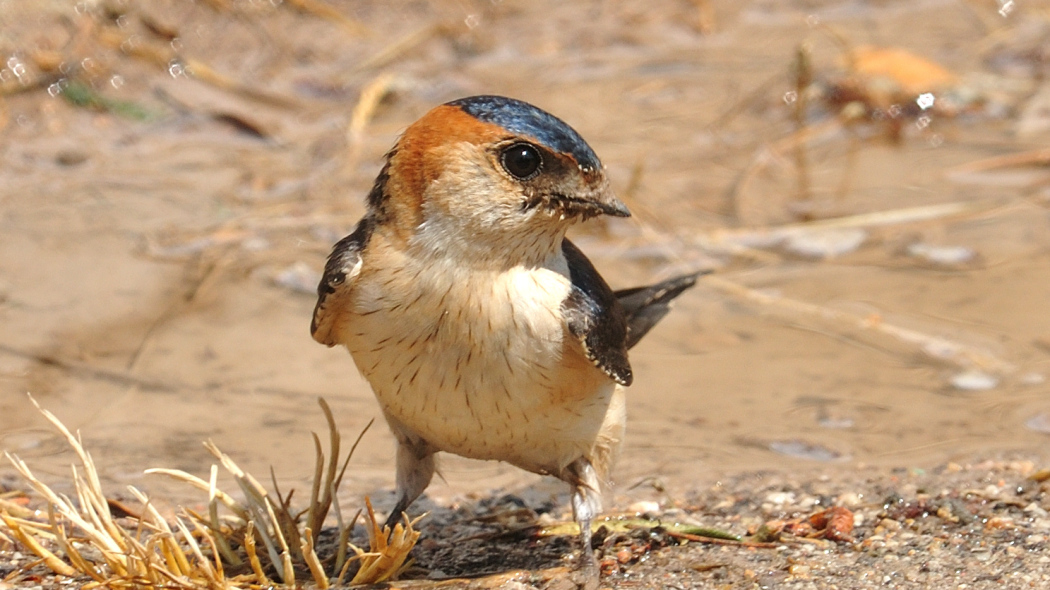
(645,306)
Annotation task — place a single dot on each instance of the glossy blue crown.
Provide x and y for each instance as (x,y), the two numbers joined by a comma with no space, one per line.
(521,118)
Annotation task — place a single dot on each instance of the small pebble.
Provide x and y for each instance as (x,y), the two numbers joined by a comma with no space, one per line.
(644,507)
(298,278)
(804,450)
(1035,510)
(1039,423)
(889,524)
(1032,379)
(256,244)
(998,523)
(780,498)
(70,157)
(1041,524)
(982,554)
(944,255)
(799,570)
(807,502)
(974,381)
(848,499)
(826,243)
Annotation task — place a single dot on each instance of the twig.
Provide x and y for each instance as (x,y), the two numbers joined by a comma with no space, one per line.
(401,46)
(757,94)
(803,71)
(310,556)
(287,569)
(933,346)
(213,516)
(89,371)
(253,558)
(714,541)
(364,110)
(1039,157)
(239,509)
(164,57)
(862,220)
(15,509)
(50,559)
(317,8)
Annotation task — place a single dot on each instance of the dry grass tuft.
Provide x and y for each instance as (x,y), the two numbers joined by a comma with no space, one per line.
(221,549)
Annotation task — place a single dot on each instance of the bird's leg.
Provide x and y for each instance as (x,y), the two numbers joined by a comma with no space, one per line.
(415,469)
(586,504)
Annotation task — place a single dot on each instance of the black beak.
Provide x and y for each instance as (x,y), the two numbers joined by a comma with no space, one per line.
(603,203)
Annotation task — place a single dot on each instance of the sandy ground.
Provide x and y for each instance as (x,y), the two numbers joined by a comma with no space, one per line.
(981,525)
(159,242)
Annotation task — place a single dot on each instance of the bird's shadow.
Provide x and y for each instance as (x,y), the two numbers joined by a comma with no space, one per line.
(493,535)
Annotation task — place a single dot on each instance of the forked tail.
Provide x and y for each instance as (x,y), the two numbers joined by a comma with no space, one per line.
(645,306)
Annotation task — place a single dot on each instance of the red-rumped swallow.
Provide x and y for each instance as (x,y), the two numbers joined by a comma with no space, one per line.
(482,330)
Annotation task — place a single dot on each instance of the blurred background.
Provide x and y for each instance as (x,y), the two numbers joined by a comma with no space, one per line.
(869,180)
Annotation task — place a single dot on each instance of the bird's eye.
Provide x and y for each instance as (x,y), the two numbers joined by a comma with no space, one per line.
(521,160)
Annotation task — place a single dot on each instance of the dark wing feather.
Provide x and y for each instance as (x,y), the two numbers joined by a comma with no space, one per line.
(645,306)
(595,317)
(333,292)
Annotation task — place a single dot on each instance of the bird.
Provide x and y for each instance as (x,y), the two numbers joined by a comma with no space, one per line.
(482,330)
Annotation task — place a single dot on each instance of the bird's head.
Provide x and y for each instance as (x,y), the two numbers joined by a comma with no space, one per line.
(491,178)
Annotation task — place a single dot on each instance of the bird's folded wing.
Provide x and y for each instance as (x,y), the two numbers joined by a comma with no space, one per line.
(337,283)
(595,317)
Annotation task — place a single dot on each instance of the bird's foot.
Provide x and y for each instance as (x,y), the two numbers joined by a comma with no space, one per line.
(587,575)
